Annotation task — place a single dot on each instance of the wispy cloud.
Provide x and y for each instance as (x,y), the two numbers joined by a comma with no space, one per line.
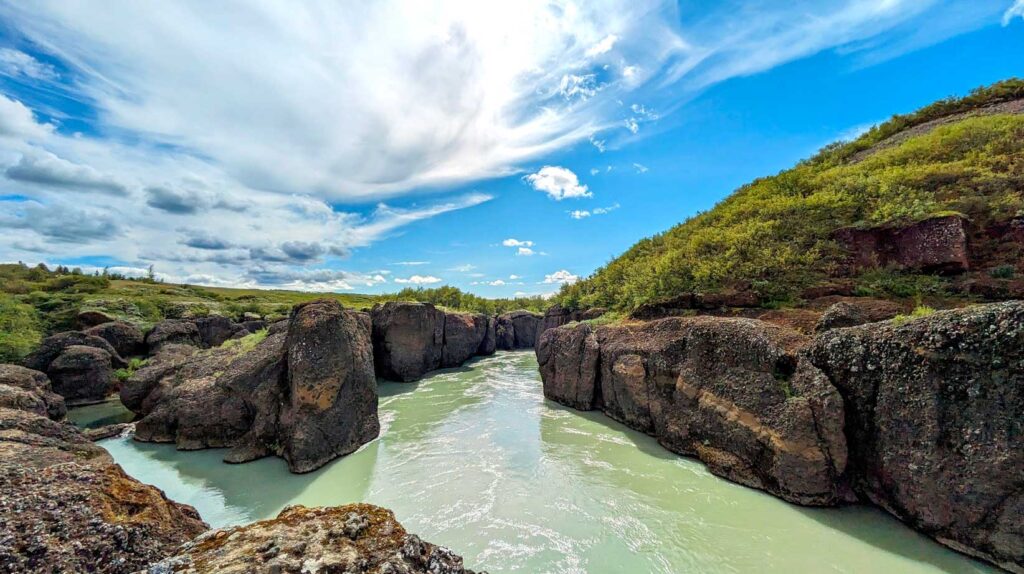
(1015,11)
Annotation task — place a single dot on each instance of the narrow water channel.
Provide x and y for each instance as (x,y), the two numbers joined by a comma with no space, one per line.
(476,459)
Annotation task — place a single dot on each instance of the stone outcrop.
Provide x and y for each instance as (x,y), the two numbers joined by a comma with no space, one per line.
(464,335)
(938,244)
(51,347)
(556,316)
(126,339)
(173,331)
(332,391)
(82,374)
(490,343)
(66,507)
(91,318)
(407,339)
(215,329)
(306,393)
(732,392)
(517,330)
(350,538)
(27,390)
(850,312)
(934,413)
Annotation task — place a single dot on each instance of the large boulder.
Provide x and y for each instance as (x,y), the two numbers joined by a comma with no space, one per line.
(934,409)
(215,329)
(307,394)
(408,339)
(91,318)
(938,244)
(66,507)
(332,390)
(518,329)
(82,374)
(173,331)
(51,347)
(504,334)
(731,392)
(350,538)
(125,338)
(851,312)
(24,389)
(464,334)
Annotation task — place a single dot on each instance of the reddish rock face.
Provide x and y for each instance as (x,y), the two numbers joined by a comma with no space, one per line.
(938,244)
(731,392)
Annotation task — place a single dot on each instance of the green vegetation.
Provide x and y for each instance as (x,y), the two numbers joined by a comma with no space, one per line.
(918,312)
(246,343)
(134,364)
(774,234)
(455,299)
(20,329)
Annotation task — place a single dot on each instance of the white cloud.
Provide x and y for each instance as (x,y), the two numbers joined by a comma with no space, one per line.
(599,144)
(464,268)
(525,251)
(411,263)
(558,182)
(580,88)
(583,213)
(17,121)
(561,276)
(44,168)
(17,64)
(594,171)
(602,47)
(632,125)
(420,280)
(496,283)
(513,277)
(1017,10)
(640,168)
(511,242)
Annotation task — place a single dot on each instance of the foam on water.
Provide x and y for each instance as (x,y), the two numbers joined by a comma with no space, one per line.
(476,459)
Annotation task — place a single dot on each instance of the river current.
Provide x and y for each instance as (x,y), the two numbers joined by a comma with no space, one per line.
(476,459)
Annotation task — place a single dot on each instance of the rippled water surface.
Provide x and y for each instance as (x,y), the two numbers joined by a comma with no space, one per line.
(476,459)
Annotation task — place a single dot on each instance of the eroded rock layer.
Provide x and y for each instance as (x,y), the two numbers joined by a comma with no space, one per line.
(732,392)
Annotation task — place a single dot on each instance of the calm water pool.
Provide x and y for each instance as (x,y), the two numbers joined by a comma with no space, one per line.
(476,459)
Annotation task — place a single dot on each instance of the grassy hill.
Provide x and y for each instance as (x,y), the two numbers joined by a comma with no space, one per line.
(774,235)
(36,301)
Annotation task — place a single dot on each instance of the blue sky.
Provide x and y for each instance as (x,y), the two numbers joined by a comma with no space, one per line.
(504,150)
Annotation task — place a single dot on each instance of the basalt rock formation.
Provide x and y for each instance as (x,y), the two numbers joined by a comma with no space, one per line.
(51,347)
(352,538)
(938,244)
(412,339)
(30,391)
(517,330)
(924,418)
(82,374)
(732,392)
(173,332)
(125,338)
(935,423)
(65,506)
(306,393)
(556,316)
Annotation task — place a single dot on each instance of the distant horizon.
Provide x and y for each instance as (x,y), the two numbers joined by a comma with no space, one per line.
(505,151)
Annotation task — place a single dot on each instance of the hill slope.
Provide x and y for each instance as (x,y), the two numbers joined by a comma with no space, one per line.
(776,237)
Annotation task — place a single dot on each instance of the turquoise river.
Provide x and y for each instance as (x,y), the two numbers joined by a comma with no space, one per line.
(476,459)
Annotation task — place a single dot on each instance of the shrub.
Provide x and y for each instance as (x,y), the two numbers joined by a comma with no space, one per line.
(246,343)
(1002,272)
(20,329)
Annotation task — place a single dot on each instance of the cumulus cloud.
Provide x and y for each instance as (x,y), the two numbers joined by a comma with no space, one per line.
(61,223)
(419,280)
(17,121)
(204,240)
(512,242)
(313,279)
(44,168)
(525,251)
(561,277)
(558,182)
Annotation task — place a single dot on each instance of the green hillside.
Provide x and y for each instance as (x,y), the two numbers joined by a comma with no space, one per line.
(773,235)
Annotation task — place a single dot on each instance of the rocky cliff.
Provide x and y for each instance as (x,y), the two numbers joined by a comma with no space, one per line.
(65,506)
(923,418)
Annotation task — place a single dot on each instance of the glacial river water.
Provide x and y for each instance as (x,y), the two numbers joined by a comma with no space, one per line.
(476,459)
